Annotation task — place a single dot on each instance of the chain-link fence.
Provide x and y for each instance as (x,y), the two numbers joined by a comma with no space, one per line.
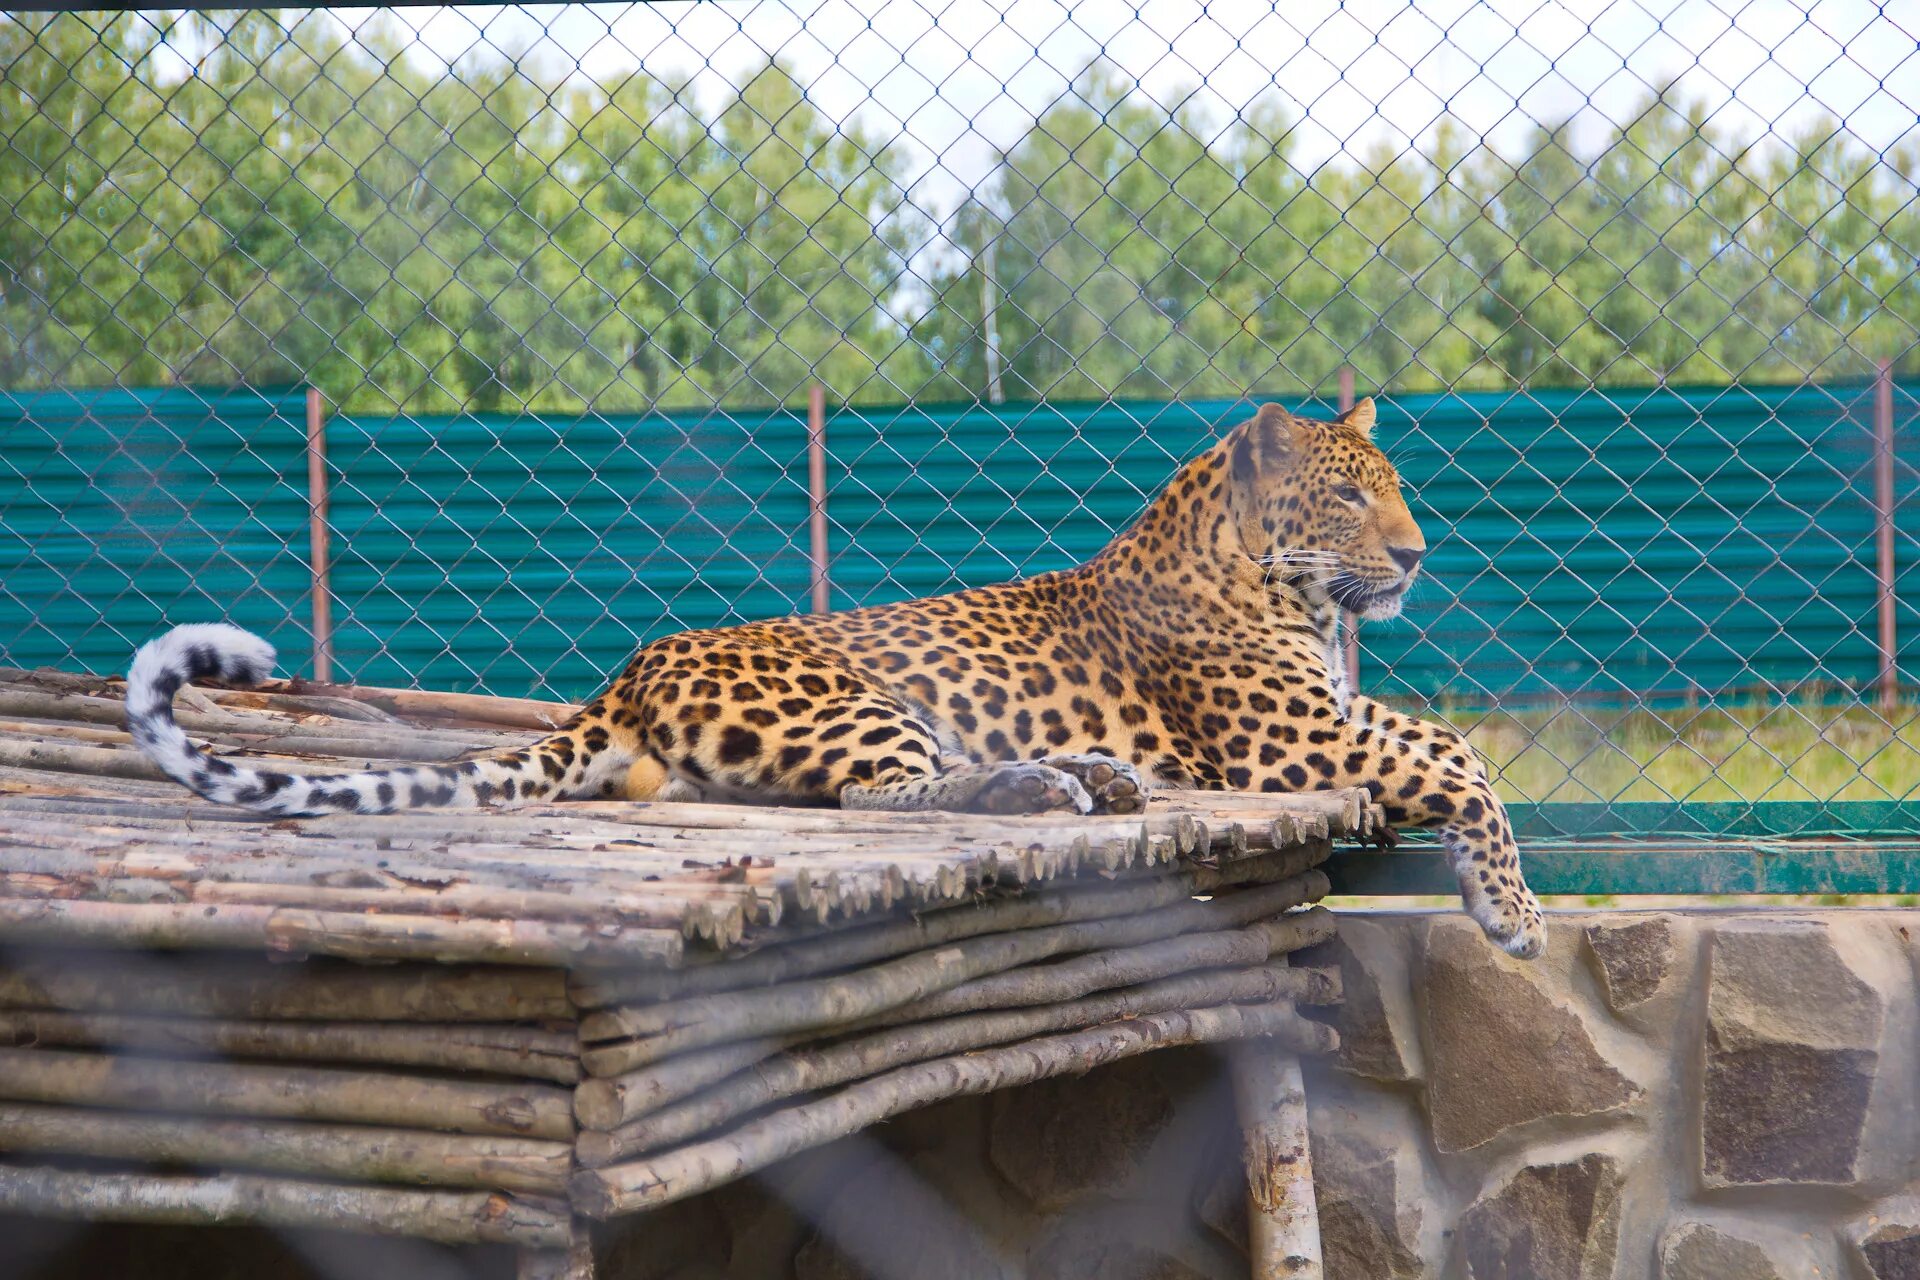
(1637,283)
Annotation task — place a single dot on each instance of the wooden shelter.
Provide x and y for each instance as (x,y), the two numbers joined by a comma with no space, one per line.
(491,1026)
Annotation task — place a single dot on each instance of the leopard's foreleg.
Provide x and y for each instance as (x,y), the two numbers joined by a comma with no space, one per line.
(1425,775)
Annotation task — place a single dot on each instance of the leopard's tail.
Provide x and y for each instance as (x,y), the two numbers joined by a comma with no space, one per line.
(572,762)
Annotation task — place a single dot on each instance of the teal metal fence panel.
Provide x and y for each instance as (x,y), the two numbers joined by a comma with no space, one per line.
(1595,542)
(123,511)
(1622,542)
(521,555)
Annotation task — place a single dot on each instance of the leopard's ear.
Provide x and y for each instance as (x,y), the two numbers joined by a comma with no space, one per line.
(1270,440)
(1360,417)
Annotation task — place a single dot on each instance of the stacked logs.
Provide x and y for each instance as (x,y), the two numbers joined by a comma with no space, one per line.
(465,1103)
(416,1100)
(699,1078)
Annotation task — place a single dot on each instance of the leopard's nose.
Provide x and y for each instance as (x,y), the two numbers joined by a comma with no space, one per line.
(1408,558)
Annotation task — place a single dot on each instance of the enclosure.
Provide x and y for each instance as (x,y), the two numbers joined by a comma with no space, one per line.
(464,349)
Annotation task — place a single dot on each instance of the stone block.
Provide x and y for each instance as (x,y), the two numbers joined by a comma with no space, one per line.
(1560,1221)
(1791,1050)
(1061,1140)
(1696,1251)
(1502,1050)
(1370,1207)
(1375,1018)
(1888,1243)
(1633,961)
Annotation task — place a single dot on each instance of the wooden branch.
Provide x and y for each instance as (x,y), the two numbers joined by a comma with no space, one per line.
(352,1153)
(1283,1220)
(681,1025)
(674,1175)
(844,950)
(298,1093)
(219,986)
(348,935)
(450,1217)
(497,1050)
(806,1070)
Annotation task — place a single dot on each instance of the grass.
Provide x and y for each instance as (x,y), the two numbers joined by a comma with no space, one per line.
(1801,749)
(1811,748)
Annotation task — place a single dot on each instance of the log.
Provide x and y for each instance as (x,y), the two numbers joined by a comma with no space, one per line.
(220,986)
(351,1153)
(450,1217)
(681,1025)
(861,946)
(529,1052)
(110,762)
(637,1092)
(800,1071)
(300,931)
(474,708)
(1283,1219)
(685,1171)
(520,1109)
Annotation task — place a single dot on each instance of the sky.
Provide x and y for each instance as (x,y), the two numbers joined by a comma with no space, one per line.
(960,79)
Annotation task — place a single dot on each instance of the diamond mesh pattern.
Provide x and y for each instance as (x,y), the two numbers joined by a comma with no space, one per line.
(1626,271)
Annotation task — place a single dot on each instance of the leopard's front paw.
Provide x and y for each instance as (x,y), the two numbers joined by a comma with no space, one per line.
(1511,918)
(1115,785)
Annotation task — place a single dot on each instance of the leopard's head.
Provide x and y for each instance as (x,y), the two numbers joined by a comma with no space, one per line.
(1320,505)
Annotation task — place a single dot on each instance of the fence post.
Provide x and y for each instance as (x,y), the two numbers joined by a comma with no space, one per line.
(317,506)
(989,324)
(817,494)
(1884,503)
(1353,619)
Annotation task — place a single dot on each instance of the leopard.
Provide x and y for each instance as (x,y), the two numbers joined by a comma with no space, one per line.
(1202,647)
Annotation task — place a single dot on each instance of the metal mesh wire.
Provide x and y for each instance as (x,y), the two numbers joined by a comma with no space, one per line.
(1627,273)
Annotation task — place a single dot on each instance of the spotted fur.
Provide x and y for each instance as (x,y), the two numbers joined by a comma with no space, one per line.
(1199,648)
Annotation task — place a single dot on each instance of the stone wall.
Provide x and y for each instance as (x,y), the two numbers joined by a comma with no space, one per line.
(1693,1096)
(1682,1096)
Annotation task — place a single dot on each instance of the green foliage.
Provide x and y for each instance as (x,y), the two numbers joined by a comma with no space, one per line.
(307,206)
(1761,750)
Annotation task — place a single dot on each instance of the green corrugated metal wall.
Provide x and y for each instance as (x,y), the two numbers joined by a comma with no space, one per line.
(1583,542)
(122,511)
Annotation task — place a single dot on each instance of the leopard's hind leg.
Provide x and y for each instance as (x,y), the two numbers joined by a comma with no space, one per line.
(732,720)
(1000,786)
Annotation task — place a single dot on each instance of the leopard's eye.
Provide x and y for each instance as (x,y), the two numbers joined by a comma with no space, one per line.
(1347,492)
